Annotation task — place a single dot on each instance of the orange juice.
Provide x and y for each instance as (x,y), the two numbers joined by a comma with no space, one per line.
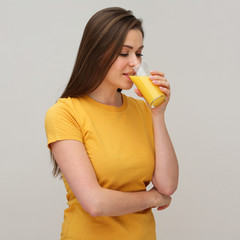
(153,95)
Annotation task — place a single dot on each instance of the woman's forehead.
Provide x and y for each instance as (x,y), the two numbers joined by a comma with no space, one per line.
(134,39)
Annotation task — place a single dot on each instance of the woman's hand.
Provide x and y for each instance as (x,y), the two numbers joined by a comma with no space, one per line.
(162,201)
(158,78)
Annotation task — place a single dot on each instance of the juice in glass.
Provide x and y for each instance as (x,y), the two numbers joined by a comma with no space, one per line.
(153,95)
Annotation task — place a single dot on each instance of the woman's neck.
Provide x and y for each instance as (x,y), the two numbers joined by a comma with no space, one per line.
(111,98)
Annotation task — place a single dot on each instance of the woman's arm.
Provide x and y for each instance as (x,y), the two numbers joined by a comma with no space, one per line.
(165,177)
(76,167)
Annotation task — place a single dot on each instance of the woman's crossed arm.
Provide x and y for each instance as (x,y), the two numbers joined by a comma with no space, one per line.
(76,167)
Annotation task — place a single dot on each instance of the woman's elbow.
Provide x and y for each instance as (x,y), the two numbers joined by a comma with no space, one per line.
(93,208)
(166,189)
(94,212)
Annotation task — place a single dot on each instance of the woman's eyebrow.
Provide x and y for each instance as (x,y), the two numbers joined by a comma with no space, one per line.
(132,47)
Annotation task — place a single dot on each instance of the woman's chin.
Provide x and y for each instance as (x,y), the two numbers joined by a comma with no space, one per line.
(127,86)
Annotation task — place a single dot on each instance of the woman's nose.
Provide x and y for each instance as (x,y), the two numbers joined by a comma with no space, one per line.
(134,60)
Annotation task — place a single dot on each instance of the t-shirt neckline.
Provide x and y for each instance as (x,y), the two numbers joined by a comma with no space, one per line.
(108,107)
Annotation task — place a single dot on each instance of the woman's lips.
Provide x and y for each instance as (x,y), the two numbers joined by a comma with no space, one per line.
(128,74)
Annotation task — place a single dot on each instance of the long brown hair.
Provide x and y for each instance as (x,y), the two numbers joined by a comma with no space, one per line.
(101,43)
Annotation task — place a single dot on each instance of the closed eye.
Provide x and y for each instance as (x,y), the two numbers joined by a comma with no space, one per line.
(124,54)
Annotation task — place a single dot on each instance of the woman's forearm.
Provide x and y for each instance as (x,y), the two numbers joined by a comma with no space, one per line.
(115,203)
(165,177)
(78,171)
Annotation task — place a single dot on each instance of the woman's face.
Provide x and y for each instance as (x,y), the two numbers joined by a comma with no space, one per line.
(130,56)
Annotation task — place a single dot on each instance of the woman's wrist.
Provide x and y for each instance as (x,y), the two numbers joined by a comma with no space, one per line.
(158,119)
(154,198)
(157,114)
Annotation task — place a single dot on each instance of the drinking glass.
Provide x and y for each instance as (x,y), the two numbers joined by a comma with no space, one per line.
(152,94)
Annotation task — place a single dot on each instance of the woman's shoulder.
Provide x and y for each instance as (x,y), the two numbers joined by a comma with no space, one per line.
(64,104)
(137,102)
(62,121)
(61,105)
(65,108)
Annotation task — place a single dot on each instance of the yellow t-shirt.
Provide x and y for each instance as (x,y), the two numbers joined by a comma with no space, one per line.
(119,142)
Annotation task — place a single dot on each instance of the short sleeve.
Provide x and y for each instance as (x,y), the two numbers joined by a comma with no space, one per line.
(61,124)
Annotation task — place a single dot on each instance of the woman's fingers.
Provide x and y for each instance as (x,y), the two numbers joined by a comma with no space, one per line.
(157,73)
(163,207)
(163,85)
(166,91)
(138,92)
(161,82)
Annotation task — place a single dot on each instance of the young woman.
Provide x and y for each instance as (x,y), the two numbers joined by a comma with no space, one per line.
(108,147)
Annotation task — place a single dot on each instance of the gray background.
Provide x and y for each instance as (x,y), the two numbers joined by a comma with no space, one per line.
(196,44)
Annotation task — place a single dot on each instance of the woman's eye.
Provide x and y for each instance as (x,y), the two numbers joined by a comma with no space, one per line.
(124,54)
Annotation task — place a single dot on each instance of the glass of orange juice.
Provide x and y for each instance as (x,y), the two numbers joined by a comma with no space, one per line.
(152,94)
